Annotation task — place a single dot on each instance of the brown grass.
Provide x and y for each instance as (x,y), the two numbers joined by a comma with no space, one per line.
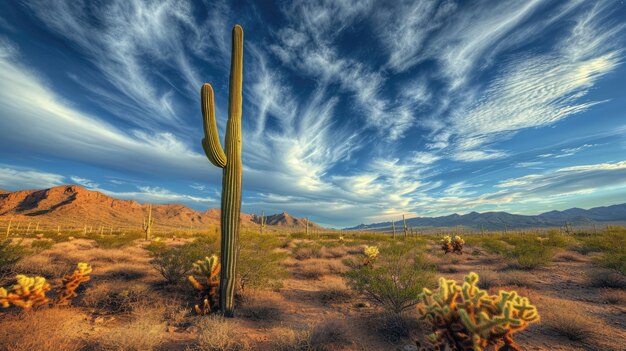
(602,278)
(565,319)
(216,333)
(144,332)
(48,329)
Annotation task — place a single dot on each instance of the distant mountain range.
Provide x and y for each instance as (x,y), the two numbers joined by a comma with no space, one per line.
(73,205)
(502,220)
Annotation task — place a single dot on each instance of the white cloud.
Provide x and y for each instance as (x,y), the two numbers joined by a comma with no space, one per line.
(25,178)
(87,183)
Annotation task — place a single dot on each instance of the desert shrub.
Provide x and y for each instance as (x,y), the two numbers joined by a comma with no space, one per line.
(47,329)
(573,325)
(529,252)
(335,293)
(40,245)
(394,281)
(10,254)
(311,271)
(328,334)
(615,297)
(305,251)
(487,280)
(606,279)
(259,263)
(288,339)
(614,260)
(216,333)
(467,318)
(175,262)
(144,332)
(104,299)
(114,241)
(259,305)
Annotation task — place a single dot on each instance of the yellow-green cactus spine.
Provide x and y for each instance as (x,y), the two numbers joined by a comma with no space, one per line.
(230,162)
(147,224)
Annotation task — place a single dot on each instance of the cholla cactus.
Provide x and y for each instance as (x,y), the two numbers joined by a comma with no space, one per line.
(448,244)
(457,244)
(371,253)
(71,282)
(207,282)
(26,293)
(466,318)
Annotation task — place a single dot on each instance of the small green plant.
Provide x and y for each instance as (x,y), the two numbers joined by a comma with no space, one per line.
(467,318)
(394,281)
(173,263)
(10,254)
(40,245)
(259,262)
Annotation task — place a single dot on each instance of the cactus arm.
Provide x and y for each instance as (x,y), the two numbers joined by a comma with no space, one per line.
(211,142)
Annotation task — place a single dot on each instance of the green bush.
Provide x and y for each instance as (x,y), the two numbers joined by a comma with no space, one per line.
(174,263)
(259,263)
(115,241)
(40,245)
(10,254)
(394,280)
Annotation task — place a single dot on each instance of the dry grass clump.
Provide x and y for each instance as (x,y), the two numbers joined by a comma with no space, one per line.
(113,298)
(336,267)
(125,272)
(216,333)
(568,256)
(565,319)
(613,297)
(335,292)
(260,305)
(334,252)
(326,335)
(517,278)
(49,329)
(43,265)
(488,279)
(606,279)
(144,332)
(313,270)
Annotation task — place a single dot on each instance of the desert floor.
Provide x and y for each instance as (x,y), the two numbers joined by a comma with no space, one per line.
(127,305)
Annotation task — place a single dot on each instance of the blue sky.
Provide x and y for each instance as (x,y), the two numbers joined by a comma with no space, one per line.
(354,111)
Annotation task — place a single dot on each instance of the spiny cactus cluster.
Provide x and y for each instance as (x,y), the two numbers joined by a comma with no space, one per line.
(371,253)
(29,292)
(71,282)
(207,282)
(455,245)
(466,318)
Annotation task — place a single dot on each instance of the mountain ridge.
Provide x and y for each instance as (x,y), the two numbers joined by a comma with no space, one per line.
(498,220)
(77,205)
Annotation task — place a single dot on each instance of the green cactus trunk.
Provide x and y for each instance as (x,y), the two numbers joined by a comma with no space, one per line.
(230,161)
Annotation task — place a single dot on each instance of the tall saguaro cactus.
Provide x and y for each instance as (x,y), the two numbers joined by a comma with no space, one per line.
(262,221)
(230,162)
(405,227)
(147,224)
